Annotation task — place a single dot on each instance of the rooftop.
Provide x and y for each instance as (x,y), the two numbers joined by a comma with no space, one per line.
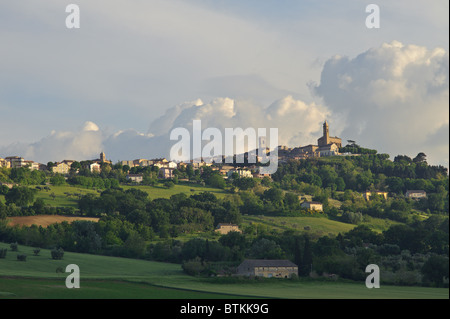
(268,263)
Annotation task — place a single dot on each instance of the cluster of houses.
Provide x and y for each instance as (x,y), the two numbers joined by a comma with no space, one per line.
(17,161)
(166,171)
(166,167)
(412,194)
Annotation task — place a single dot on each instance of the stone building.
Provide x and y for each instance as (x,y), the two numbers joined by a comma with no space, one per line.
(267,268)
(61,168)
(224,228)
(313,206)
(368,194)
(135,178)
(326,139)
(416,194)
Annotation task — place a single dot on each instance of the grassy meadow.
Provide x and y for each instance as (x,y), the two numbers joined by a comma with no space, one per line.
(113,277)
(67,195)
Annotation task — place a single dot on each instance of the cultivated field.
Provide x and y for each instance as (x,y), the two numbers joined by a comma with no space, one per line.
(112,277)
(45,220)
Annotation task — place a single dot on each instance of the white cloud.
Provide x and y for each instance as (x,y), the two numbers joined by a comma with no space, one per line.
(396,99)
(298,123)
(85,143)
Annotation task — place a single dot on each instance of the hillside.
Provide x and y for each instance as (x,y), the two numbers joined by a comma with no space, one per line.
(336,213)
(112,277)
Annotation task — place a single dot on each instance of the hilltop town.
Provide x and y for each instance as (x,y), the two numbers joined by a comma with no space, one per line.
(326,146)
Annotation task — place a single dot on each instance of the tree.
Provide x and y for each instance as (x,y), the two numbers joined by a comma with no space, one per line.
(435,269)
(420,158)
(169,184)
(57,180)
(298,258)
(244,183)
(135,245)
(85,237)
(39,206)
(340,184)
(75,166)
(216,180)
(395,184)
(307,258)
(291,200)
(57,254)
(274,195)
(21,196)
(266,249)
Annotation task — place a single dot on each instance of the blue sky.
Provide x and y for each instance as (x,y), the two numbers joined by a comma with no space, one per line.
(136,64)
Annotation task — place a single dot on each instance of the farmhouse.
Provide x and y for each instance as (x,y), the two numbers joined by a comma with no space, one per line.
(267,268)
(313,206)
(135,178)
(367,194)
(224,229)
(416,194)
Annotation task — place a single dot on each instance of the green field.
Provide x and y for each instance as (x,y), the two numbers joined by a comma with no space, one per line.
(320,226)
(112,277)
(67,195)
(317,225)
(160,191)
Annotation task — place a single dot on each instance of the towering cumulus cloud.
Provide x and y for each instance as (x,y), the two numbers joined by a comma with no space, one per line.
(296,121)
(76,145)
(394,98)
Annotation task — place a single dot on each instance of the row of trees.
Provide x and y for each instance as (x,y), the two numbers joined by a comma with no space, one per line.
(409,255)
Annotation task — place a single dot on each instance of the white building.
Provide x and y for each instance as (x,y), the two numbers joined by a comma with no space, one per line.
(61,168)
(95,167)
(313,206)
(166,173)
(328,150)
(15,161)
(240,172)
(136,178)
(416,194)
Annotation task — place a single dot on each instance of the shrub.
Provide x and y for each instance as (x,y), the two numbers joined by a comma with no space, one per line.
(194,267)
(169,184)
(21,257)
(57,254)
(3,252)
(14,247)
(36,251)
